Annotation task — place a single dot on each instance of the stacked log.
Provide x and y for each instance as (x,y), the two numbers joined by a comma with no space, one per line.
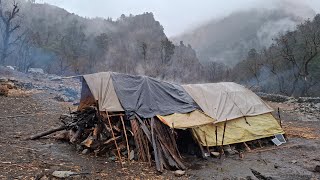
(111,134)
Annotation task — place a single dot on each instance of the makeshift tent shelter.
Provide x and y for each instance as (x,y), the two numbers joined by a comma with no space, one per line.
(211,111)
(249,117)
(141,98)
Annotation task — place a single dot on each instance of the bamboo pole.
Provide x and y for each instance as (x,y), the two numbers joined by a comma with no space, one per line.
(125,135)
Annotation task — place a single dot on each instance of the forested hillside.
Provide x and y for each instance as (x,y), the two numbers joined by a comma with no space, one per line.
(228,39)
(45,36)
(264,50)
(289,66)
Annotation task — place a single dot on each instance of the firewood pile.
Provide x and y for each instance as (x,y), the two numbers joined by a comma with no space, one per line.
(112,135)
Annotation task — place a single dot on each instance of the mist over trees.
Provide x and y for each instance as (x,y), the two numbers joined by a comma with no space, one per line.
(289,66)
(62,43)
(228,39)
(48,37)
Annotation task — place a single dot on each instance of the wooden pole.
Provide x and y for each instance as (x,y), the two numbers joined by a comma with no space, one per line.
(205,138)
(280,122)
(115,141)
(125,135)
(216,136)
(173,138)
(224,130)
(37,136)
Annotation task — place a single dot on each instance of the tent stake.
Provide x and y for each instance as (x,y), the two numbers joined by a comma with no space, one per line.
(125,135)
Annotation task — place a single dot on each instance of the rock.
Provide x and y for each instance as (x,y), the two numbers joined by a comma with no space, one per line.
(309,100)
(317,169)
(276,166)
(317,105)
(10,67)
(229,150)
(294,161)
(52,77)
(179,173)
(215,154)
(63,174)
(85,151)
(36,70)
(131,155)
(63,98)
(3,79)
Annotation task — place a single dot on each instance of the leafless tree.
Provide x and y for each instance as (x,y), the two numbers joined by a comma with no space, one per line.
(8,28)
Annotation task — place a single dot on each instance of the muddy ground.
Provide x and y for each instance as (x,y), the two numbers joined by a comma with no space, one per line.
(26,113)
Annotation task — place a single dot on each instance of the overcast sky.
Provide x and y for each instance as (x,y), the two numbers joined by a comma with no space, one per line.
(176,16)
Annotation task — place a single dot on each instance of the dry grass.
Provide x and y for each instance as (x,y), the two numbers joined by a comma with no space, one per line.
(21,93)
(301,132)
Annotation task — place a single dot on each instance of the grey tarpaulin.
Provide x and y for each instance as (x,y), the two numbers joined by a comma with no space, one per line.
(149,97)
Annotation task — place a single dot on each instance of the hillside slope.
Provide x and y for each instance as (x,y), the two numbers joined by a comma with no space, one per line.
(229,39)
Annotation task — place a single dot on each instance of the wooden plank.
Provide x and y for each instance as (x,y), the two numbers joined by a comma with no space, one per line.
(172,163)
(166,147)
(160,155)
(144,128)
(155,148)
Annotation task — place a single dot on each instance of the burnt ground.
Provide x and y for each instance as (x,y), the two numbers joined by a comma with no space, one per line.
(23,114)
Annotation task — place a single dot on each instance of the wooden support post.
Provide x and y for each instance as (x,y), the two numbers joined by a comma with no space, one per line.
(216,136)
(205,138)
(172,136)
(113,136)
(125,135)
(224,130)
(280,122)
(247,147)
(260,143)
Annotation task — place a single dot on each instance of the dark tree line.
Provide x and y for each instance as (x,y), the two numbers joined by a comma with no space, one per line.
(45,36)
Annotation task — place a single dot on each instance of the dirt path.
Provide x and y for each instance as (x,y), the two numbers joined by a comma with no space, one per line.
(25,159)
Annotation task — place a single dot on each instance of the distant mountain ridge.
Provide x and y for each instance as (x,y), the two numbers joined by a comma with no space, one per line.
(229,39)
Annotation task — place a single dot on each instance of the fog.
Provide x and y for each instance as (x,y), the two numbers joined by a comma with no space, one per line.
(176,16)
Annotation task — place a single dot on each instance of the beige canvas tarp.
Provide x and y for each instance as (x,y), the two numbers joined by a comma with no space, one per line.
(238,130)
(102,89)
(188,120)
(227,100)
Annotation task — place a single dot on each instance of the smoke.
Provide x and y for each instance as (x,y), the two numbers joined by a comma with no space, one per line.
(295,12)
